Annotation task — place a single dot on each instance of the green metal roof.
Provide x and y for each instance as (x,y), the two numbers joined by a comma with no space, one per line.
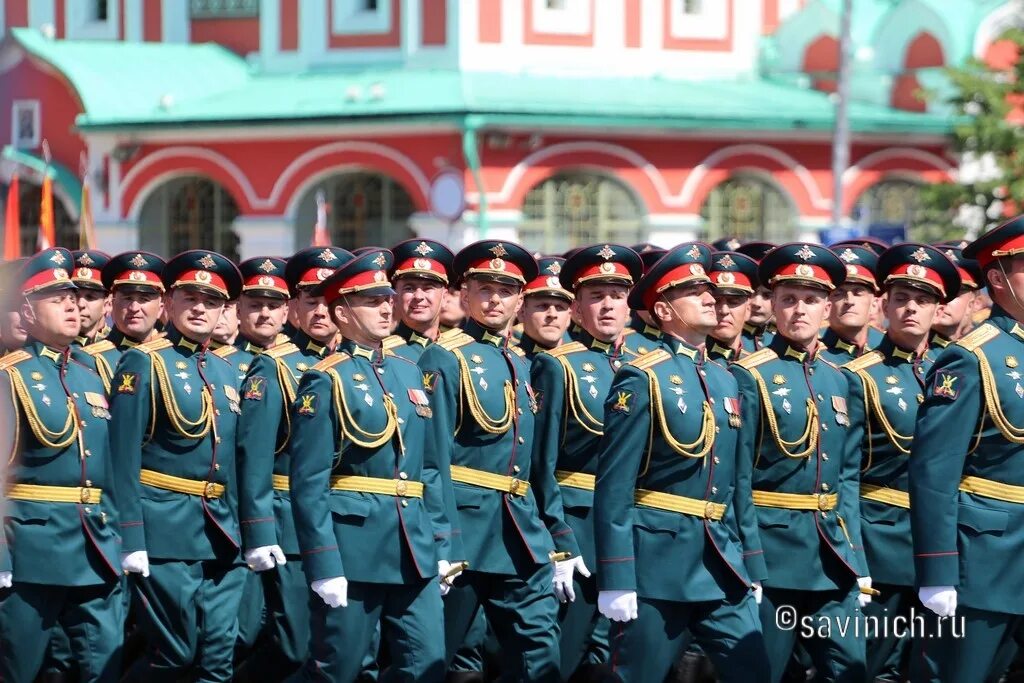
(121,86)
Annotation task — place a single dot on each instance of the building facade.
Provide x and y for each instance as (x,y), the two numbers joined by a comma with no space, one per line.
(215,123)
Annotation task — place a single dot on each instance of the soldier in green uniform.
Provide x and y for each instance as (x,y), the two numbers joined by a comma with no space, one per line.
(12,333)
(966,480)
(136,306)
(674,524)
(849,333)
(888,384)
(376,485)
(264,460)
(735,279)
(177,495)
(59,565)
(545,313)
(759,329)
(953,320)
(226,332)
(573,381)
(93,296)
(803,437)
(509,506)
(422,270)
(642,334)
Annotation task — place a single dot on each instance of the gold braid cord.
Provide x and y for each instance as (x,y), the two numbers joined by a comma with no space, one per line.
(289,388)
(190,429)
(106,373)
(1012,432)
(707,432)
(575,402)
(873,397)
(351,430)
(486,422)
(50,439)
(809,435)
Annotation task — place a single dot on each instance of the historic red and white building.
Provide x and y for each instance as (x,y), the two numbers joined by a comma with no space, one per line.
(215,123)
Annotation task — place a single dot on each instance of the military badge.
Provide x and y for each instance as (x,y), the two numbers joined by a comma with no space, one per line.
(301,367)
(422,404)
(588,367)
(306,405)
(126,385)
(842,414)
(945,385)
(732,406)
(675,379)
(622,402)
(778,379)
(253,390)
(1011,361)
(98,403)
(892,379)
(429,381)
(36,376)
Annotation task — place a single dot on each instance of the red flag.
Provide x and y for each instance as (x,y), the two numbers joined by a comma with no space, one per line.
(321,237)
(12,223)
(47,229)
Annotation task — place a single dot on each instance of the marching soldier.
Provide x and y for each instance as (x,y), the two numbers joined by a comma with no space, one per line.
(803,437)
(93,296)
(759,329)
(12,333)
(953,320)
(849,333)
(422,269)
(508,506)
(726,244)
(966,478)
(176,494)
(226,332)
(643,334)
(374,486)
(264,457)
(545,312)
(573,381)
(136,306)
(734,277)
(676,533)
(889,385)
(59,565)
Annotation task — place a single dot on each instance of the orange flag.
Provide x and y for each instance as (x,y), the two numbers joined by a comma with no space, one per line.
(12,223)
(321,237)
(47,229)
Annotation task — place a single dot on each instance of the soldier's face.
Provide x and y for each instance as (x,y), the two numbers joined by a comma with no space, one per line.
(851,305)
(949,317)
(227,327)
(419,300)
(452,313)
(261,318)
(687,311)
(731,311)
(492,304)
(910,313)
(135,313)
(799,312)
(93,306)
(761,306)
(195,312)
(545,318)
(12,332)
(365,319)
(602,310)
(313,317)
(52,317)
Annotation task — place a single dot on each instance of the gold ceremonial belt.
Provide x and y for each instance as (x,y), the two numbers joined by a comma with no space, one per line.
(681,504)
(576,480)
(822,502)
(882,494)
(385,487)
(280,482)
(55,494)
(992,489)
(159,480)
(489,480)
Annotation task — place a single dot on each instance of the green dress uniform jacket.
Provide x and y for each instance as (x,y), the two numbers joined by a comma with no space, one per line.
(407,343)
(103,356)
(640,340)
(671,425)
(803,436)
(756,337)
(838,351)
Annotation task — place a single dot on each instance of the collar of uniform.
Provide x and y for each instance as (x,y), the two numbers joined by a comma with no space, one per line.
(720,349)
(44,351)
(359,351)
(528,344)
(833,341)
(82,340)
(411,336)
(681,348)
(243,344)
(588,340)
(121,340)
(1004,321)
(482,334)
(181,341)
(940,340)
(784,350)
(308,345)
(753,330)
(890,350)
(651,330)
(214,345)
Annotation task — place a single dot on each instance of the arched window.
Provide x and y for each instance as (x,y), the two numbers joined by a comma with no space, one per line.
(575,209)
(192,212)
(366,209)
(895,205)
(748,207)
(30,208)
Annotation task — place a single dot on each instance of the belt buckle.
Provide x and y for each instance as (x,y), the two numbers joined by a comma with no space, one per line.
(401,487)
(823,505)
(517,487)
(85,494)
(209,490)
(709,510)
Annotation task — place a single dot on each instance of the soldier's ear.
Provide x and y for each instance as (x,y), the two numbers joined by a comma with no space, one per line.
(995,278)
(28,312)
(662,311)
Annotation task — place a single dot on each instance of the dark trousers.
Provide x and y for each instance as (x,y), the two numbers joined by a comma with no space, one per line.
(286,643)
(966,647)
(584,632)
(886,652)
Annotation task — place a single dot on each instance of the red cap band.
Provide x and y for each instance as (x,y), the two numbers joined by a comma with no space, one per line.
(202,278)
(44,279)
(314,276)
(687,272)
(366,279)
(270,282)
(139,277)
(858,272)
(609,270)
(1010,247)
(423,267)
(497,267)
(731,279)
(917,274)
(87,276)
(805,272)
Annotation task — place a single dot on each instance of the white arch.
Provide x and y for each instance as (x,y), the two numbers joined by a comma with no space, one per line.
(228,166)
(605,173)
(135,210)
(1010,15)
(934,160)
(292,208)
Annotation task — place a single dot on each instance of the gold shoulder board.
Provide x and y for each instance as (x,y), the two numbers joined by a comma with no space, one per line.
(331,361)
(281,350)
(757,358)
(13,358)
(155,345)
(224,351)
(453,340)
(979,336)
(866,361)
(649,360)
(566,349)
(96,348)
(392,341)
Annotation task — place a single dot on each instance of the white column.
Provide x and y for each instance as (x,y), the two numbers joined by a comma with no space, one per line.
(115,236)
(133,30)
(264,236)
(174,21)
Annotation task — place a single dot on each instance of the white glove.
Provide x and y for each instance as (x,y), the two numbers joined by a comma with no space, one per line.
(939,599)
(6,578)
(617,605)
(136,562)
(334,591)
(443,567)
(758,591)
(264,557)
(863,598)
(562,583)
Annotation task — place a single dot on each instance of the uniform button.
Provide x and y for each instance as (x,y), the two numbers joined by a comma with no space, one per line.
(824,428)
(216,467)
(403,475)
(703,374)
(74,394)
(711,400)
(521,440)
(820,397)
(391,394)
(824,487)
(82,423)
(88,510)
(217,440)
(716,459)
(519,411)
(88,483)
(380,371)
(810,371)
(216,412)
(515,469)
(717,429)
(714,490)
(405,503)
(88,452)
(824,456)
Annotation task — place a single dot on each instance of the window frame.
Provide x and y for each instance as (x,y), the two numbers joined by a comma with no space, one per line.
(350,17)
(711,23)
(17,106)
(572,19)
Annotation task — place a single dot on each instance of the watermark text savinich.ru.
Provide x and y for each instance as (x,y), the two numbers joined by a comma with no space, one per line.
(916,624)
